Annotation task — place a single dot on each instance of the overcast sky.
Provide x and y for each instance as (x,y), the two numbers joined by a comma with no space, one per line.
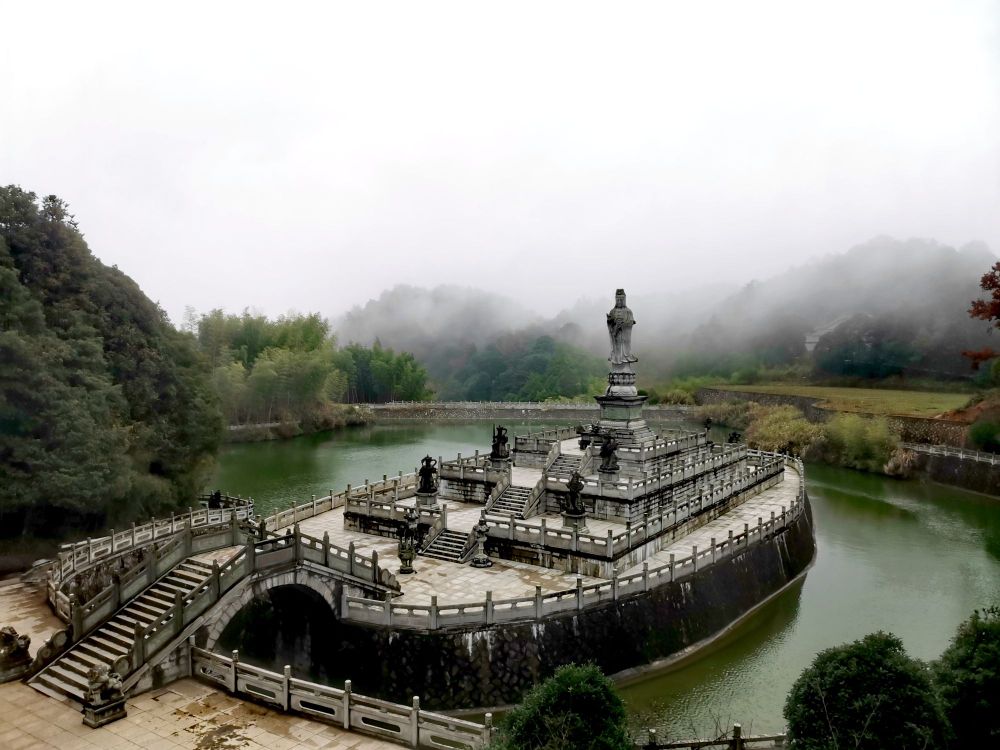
(307,156)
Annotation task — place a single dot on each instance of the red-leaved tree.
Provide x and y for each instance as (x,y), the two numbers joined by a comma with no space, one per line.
(986,309)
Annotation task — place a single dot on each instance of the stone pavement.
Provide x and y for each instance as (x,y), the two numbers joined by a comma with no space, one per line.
(185,714)
(23,606)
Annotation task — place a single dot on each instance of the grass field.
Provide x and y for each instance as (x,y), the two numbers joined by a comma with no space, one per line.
(867,400)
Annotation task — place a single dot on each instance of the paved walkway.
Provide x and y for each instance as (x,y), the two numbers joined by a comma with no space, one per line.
(185,714)
(23,606)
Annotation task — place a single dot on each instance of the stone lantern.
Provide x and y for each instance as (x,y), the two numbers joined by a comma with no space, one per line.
(480,559)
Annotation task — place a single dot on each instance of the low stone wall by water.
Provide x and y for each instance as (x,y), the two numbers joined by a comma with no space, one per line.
(493,665)
(977,476)
(510,410)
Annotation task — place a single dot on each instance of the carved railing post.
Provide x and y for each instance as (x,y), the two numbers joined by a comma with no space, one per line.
(76,617)
(177,621)
(415,722)
(347,704)
(233,668)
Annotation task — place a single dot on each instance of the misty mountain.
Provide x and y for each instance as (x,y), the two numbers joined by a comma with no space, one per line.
(917,289)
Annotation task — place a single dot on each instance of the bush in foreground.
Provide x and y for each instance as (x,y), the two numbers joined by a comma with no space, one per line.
(868,695)
(967,677)
(575,709)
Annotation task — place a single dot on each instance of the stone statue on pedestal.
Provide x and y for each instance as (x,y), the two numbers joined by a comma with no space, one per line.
(500,450)
(103,701)
(482,530)
(14,656)
(574,512)
(408,541)
(428,476)
(620,322)
(609,457)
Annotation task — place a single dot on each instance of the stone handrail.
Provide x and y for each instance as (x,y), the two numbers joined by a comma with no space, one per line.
(611,546)
(407,725)
(80,556)
(489,611)
(277,552)
(439,524)
(497,491)
(947,450)
(629,487)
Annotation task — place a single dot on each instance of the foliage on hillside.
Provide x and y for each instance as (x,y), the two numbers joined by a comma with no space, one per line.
(521,368)
(106,411)
(290,369)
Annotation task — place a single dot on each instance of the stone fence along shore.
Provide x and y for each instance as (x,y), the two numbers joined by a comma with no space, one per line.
(541,411)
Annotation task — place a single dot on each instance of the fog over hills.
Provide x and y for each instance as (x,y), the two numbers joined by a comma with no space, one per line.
(922,283)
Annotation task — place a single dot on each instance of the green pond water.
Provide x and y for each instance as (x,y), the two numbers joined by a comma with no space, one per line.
(911,558)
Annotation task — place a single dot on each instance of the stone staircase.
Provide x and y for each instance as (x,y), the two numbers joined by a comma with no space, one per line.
(66,677)
(511,501)
(448,545)
(566,464)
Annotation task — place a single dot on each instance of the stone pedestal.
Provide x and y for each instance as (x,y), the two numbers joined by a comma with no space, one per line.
(575,522)
(427,500)
(97,715)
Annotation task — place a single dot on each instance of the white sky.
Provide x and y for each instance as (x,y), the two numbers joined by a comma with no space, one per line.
(308,155)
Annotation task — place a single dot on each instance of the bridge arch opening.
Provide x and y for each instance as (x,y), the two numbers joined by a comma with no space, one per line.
(286,624)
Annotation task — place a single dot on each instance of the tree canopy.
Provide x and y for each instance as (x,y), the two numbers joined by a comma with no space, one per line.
(869,695)
(106,410)
(575,709)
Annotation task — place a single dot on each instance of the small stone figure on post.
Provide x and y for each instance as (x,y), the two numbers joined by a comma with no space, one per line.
(500,451)
(428,476)
(480,559)
(14,657)
(734,437)
(408,541)
(104,701)
(609,457)
(574,512)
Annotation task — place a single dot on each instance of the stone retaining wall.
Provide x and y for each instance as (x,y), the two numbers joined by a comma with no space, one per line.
(977,476)
(494,665)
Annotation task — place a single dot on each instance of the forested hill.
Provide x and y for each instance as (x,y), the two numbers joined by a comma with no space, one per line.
(106,411)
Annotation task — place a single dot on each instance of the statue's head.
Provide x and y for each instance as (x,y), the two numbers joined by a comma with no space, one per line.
(620,298)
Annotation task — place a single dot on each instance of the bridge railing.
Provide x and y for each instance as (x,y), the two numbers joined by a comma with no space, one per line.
(729,741)
(489,611)
(255,556)
(947,450)
(81,556)
(407,725)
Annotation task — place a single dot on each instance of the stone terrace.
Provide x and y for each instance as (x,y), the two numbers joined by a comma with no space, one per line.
(454,583)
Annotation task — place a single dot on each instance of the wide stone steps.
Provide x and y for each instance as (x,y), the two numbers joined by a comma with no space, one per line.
(66,677)
(448,545)
(565,464)
(511,501)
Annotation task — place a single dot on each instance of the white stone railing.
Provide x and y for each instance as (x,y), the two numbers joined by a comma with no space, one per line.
(406,725)
(946,450)
(613,545)
(489,611)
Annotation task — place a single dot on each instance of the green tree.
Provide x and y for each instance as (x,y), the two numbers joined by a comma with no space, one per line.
(868,695)
(106,411)
(575,709)
(967,677)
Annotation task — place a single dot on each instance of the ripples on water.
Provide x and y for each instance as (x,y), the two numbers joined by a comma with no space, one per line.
(914,559)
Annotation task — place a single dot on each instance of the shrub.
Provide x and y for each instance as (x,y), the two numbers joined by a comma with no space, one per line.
(780,428)
(868,695)
(575,709)
(967,677)
(985,435)
(855,442)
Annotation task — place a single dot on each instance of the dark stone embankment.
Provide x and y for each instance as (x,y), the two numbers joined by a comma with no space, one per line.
(978,476)
(491,666)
